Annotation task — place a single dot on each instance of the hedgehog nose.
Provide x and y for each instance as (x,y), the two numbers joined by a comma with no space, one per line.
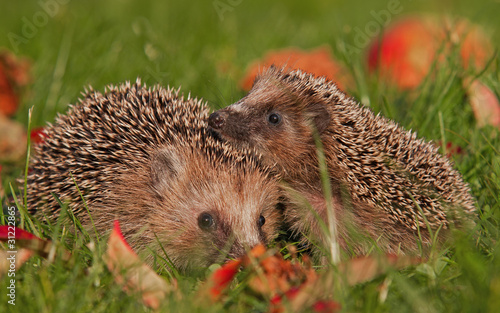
(215,120)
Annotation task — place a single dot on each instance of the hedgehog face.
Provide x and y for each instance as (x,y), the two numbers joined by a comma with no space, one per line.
(272,120)
(204,211)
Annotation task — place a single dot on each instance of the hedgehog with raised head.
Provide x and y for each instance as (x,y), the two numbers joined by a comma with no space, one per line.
(144,157)
(381,175)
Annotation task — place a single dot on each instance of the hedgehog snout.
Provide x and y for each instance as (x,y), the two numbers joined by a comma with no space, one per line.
(216,120)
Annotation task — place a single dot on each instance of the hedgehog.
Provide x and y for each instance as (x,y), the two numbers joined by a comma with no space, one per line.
(145,157)
(389,189)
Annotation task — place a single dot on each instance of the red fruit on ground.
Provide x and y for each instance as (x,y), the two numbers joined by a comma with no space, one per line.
(9,100)
(405,53)
(476,47)
(318,62)
(14,73)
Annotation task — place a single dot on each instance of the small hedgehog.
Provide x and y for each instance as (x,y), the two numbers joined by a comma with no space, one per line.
(380,174)
(145,157)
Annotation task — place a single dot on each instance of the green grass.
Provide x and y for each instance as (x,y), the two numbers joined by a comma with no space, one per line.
(187,44)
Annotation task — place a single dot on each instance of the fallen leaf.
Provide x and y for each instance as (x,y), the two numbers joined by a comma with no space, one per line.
(450,149)
(19,234)
(297,286)
(275,278)
(485,104)
(318,62)
(12,261)
(23,245)
(132,273)
(326,306)
(223,277)
(2,192)
(12,140)
(38,135)
(366,268)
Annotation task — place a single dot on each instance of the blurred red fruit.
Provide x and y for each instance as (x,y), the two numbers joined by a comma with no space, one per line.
(318,62)
(404,55)
(14,73)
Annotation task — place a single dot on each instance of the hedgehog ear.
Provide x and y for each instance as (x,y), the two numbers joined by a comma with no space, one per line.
(166,164)
(319,116)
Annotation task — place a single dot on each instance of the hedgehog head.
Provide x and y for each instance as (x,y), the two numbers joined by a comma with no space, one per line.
(281,110)
(202,207)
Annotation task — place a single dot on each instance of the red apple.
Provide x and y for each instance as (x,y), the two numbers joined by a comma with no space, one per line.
(318,62)
(405,53)
(408,47)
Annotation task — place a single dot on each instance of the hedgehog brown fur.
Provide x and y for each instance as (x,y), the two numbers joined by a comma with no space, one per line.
(379,172)
(145,157)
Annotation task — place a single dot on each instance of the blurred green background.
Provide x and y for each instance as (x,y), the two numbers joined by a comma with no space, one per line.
(203,46)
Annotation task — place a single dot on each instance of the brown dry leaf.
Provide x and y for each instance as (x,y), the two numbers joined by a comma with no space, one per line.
(18,259)
(12,140)
(485,104)
(318,62)
(277,275)
(130,271)
(2,192)
(363,269)
(14,73)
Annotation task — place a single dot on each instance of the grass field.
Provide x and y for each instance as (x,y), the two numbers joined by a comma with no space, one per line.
(205,48)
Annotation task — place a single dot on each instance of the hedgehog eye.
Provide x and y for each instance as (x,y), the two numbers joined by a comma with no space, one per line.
(274,118)
(206,221)
(262,221)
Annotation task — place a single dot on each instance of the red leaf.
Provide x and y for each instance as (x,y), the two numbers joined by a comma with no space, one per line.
(326,306)
(222,277)
(38,135)
(19,233)
(25,245)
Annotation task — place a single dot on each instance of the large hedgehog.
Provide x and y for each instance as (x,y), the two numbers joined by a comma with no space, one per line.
(381,175)
(145,157)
